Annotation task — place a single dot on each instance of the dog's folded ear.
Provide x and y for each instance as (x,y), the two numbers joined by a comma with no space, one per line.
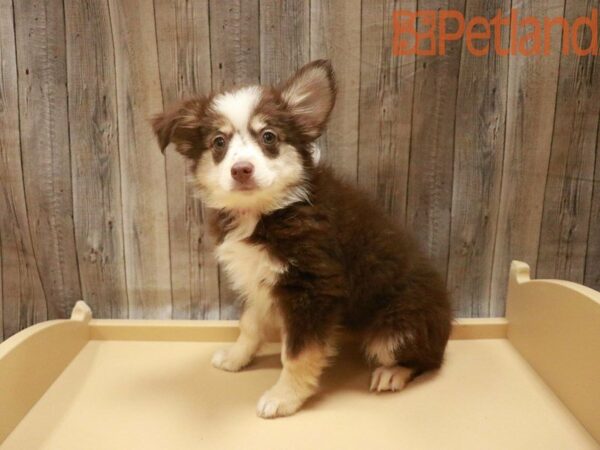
(180,125)
(310,95)
(164,126)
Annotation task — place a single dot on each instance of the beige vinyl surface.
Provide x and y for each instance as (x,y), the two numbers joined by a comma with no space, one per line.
(530,381)
(555,326)
(165,395)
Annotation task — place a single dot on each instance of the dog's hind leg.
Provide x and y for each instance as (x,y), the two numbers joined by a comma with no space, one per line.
(389,375)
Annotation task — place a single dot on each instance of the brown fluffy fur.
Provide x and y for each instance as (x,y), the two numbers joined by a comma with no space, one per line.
(350,265)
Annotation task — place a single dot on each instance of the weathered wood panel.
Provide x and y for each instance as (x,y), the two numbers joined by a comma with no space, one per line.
(429,197)
(478,153)
(386,99)
(40,45)
(234,43)
(592,262)
(93,130)
(467,151)
(531,99)
(235,60)
(1,299)
(182,29)
(22,300)
(143,179)
(284,38)
(567,200)
(335,31)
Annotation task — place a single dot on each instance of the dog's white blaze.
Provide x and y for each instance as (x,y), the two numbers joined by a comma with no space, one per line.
(238,106)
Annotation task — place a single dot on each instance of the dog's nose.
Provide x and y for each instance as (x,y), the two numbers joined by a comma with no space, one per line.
(242,171)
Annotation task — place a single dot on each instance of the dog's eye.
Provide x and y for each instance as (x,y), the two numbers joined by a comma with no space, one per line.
(269,137)
(219,142)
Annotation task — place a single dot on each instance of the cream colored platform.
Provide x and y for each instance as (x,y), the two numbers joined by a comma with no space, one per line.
(145,385)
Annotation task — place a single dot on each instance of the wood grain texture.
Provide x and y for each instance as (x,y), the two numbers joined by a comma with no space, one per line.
(478,154)
(487,158)
(569,181)
(386,98)
(93,130)
(284,38)
(429,197)
(234,44)
(1,298)
(1,291)
(531,100)
(22,299)
(143,179)
(184,49)
(592,261)
(235,60)
(335,34)
(40,46)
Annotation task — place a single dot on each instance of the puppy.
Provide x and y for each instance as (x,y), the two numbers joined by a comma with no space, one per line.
(308,253)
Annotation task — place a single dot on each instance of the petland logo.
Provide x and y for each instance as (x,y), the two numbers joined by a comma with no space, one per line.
(528,35)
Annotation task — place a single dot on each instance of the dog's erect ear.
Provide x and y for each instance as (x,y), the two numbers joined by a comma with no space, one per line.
(310,95)
(179,126)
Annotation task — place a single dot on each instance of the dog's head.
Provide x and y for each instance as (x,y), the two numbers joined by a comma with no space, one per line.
(252,148)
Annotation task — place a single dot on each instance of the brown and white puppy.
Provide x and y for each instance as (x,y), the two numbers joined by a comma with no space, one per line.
(308,253)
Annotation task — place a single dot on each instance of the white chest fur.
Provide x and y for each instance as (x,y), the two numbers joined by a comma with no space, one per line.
(249,267)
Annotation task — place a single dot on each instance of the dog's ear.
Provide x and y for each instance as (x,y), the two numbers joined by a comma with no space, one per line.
(164,126)
(180,126)
(310,95)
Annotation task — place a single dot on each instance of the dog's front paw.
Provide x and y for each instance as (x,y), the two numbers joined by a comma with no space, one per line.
(277,404)
(226,359)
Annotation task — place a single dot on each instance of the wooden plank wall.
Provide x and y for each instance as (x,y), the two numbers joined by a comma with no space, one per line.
(486,158)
